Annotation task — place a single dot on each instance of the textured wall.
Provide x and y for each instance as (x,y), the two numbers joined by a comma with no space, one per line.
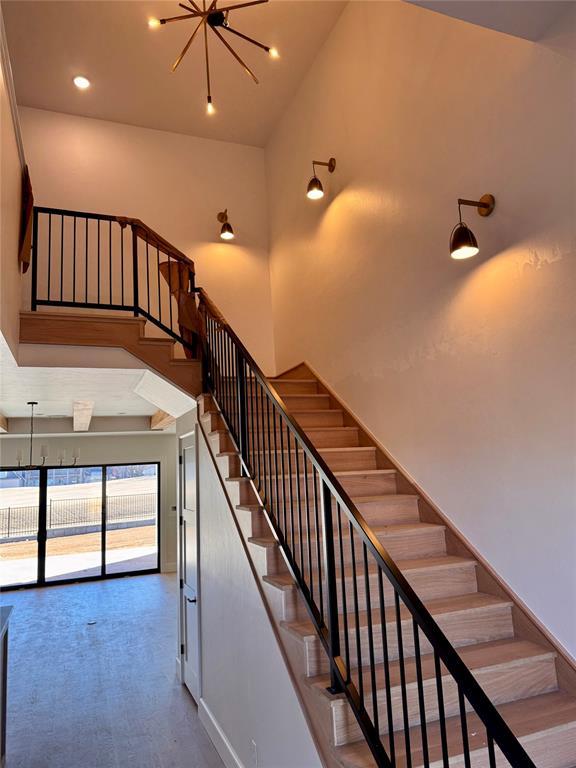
(465,371)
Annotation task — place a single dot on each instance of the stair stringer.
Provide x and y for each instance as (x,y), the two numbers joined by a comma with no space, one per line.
(255,534)
(105,330)
(526,624)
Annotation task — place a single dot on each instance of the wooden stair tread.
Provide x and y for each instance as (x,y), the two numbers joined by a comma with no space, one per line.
(84,317)
(292,381)
(458,604)
(495,653)
(526,718)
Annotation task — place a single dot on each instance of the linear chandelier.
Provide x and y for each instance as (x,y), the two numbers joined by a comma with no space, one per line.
(216,19)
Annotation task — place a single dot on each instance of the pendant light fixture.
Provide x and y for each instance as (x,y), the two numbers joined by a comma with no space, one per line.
(218,20)
(463,243)
(226,232)
(43,448)
(315,190)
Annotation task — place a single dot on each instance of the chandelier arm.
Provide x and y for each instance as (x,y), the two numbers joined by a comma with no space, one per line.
(188,8)
(180,18)
(238,59)
(206,57)
(242,5)
(188,44)
(249,39)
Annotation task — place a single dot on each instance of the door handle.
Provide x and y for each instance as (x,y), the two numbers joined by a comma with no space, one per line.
(191,599)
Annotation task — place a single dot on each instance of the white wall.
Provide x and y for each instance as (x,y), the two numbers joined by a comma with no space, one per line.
(102,449)
(10,193)
(247,693)
(465,371)
(176,184)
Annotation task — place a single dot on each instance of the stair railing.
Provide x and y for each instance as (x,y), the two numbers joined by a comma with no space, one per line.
(364,611)
(96,261)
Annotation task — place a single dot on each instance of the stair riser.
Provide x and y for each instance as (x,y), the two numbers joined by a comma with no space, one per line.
(212,421)
(501,684)
(252,523)
(342,460)
(296,387)
(267,560)
(320,419)
(294,403)
(389,512)
(461,628)
(429,585)
(320,437)
(240,492)
(357,485)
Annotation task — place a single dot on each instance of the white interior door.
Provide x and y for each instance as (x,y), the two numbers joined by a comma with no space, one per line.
(189,567)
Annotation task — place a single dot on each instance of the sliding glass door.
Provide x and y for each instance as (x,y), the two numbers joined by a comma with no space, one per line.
(74,543)
(131,541)
(19,526)
(62,524)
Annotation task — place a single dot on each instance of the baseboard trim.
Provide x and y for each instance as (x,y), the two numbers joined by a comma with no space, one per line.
(218,737)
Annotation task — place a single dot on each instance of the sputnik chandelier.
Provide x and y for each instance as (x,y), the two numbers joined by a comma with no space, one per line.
(216,19)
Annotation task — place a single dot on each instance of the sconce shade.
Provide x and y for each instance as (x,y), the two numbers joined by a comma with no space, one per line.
(315,189)
(463,244)
(227,233)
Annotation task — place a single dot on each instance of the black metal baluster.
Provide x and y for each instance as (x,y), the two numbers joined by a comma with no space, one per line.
(62,258)
(135,272)
(318,543)
(122,264)
(356,618)
(49,252)
(464,725)
(273,500)
(331,586)
(276,475)
(441,713)
(35,235)
(86,262)
(158,278)
(147,276)
(375,716)
(253,437)
(421,699)
(98,264)
(386,657)
(170,293)
(491,753)
(344,597)
(405,713)
(110,257)
(292,493)
(259,440)
(283,466)
(308,528)
(242,407)
(299,502)
(74,263)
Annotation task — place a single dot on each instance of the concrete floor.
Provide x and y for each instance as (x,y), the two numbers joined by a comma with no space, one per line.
(102,694)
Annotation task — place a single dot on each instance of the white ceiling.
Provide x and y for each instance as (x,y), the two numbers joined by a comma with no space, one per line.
(130,65)
(111,389)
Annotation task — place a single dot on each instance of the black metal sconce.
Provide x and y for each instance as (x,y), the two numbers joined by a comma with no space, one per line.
(463,243)
(315,189)
(226,232)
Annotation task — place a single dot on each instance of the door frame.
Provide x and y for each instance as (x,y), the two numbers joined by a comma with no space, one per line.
(190,437)
(42,535)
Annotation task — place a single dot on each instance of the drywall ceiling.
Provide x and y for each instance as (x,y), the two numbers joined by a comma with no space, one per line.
(112,390)
(529,19)
(129,65)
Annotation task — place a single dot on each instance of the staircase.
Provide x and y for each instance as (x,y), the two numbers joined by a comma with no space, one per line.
(406,649)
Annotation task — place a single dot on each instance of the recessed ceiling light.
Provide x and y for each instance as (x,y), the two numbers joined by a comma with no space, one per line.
(81,82)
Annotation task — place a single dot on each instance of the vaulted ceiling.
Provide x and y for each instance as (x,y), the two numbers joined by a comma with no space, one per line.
(129,65)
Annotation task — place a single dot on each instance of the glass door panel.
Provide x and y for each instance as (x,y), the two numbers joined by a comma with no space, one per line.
(74,523)
(19,517)
(131,518)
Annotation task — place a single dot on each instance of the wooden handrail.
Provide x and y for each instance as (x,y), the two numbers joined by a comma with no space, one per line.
(153,238)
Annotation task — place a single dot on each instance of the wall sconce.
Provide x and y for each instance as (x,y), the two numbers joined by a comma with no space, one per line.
(315,189)
(226,232)
(463,243)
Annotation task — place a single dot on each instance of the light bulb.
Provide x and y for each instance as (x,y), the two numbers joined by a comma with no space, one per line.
(153,23)
(81,82)
(315,189)
(226,233)
(273,53)
(210,108)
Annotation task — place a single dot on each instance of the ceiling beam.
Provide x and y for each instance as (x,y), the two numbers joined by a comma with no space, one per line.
(161,420)
(3,423)
(82,414)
